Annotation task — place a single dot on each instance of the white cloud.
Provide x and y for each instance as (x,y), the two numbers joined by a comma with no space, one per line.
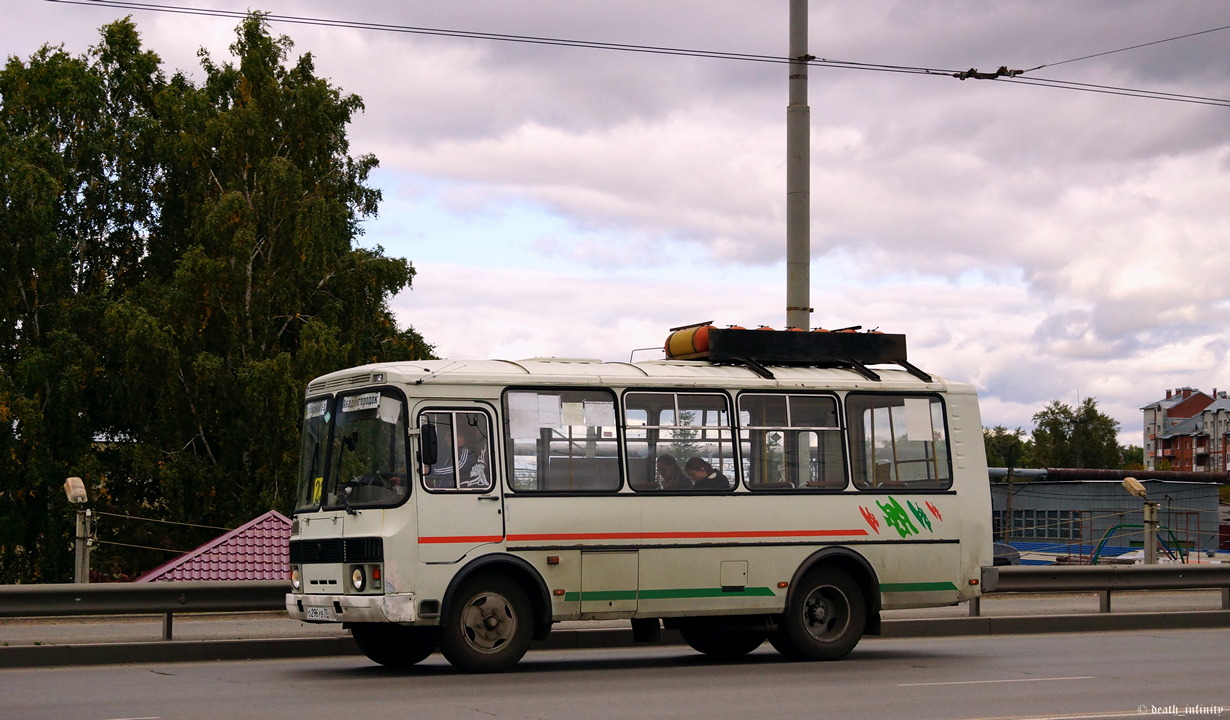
(1040,243)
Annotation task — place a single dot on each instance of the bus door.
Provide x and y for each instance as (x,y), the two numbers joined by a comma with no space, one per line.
(460,506)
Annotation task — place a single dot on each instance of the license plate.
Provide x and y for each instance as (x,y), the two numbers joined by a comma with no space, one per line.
(319,613)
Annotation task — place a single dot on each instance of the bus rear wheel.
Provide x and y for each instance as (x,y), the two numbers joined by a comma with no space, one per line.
(395,646)
(489,625)
(718,642)
(825,618)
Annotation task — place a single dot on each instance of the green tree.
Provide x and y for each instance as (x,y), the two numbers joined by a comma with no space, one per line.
(1007,448)
(72,217)
(179,259)
(1079,437)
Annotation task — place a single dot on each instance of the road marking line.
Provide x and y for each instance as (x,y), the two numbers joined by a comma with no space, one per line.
(1103,715)
(988,682)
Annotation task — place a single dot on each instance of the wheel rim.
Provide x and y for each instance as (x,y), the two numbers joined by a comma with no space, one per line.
(488,622)
(826,612)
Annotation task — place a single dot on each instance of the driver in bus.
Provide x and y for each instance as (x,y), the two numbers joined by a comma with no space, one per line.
(467,461)
(472,457)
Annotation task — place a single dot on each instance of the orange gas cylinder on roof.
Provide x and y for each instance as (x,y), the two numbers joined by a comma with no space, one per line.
(688,342)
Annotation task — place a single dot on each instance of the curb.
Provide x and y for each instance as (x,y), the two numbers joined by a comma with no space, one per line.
(32,656)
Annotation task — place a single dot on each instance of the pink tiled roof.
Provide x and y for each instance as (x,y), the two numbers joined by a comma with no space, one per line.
(258,550)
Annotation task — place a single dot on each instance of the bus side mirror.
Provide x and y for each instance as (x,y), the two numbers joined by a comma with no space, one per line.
(427,443)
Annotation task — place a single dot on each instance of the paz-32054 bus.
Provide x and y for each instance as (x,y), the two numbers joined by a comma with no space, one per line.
(756,485)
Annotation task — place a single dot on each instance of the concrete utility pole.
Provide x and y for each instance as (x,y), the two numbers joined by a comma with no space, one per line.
(74,489)
(1150,523)
(81,547)
(798,176)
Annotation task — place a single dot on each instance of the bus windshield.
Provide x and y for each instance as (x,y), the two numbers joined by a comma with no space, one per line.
(362,462)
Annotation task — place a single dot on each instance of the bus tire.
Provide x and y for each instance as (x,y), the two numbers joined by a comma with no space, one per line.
(718,642)
(825,618)
(395,646)
(489,624)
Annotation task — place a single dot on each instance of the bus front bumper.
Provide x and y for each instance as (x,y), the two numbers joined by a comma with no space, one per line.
(397,608)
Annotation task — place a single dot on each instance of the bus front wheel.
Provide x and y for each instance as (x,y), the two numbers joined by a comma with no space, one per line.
(825,618)
(489,625)
(395,646)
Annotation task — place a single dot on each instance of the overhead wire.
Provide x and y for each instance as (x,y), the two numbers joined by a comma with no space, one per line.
(1131,47)
(1004,75)
(139,547)
(165,522)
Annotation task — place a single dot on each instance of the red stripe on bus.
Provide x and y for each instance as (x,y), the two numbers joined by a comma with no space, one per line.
(688,535)
(685,535)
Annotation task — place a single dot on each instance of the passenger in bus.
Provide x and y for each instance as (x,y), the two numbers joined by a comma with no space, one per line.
(704,476)
(673,477)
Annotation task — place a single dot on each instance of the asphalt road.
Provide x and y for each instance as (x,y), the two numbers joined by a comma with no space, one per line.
(1103,675)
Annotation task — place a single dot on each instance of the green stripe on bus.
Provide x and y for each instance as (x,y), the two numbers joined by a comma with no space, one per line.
(671,594)
(917,587)
(705,592)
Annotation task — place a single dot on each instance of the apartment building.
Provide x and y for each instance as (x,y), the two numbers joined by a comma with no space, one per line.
(1187,430)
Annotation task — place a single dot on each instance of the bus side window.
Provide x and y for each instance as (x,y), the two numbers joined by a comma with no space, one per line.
(898,441)
(791,442)
(666,432)
(462,452)
(561,440)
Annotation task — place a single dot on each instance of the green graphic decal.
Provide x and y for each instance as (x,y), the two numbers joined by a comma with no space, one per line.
(896,518)
(920,515)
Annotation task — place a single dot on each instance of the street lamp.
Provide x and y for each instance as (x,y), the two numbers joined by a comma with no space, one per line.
(1137,488)
(74,490)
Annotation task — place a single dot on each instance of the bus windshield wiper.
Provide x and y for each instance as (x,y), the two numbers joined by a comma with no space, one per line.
(348,488)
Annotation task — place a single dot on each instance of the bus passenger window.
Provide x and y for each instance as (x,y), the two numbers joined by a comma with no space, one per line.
(791,442)
(561,440)
(670,437)
(898,442)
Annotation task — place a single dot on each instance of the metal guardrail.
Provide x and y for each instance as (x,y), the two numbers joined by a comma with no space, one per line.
(169,598)
(1084,578)
(1105,579)
(162,598)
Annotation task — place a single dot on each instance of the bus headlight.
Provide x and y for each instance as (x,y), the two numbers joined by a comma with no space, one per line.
(296,578)
(358,578)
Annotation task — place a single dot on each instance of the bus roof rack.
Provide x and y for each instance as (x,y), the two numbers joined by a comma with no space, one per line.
(757,349)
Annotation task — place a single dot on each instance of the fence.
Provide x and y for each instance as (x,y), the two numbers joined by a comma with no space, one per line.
(169,598)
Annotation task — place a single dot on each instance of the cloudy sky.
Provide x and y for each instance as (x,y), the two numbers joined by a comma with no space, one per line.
(1044,244)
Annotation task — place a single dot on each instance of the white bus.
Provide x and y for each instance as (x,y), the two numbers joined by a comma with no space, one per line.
(771,486)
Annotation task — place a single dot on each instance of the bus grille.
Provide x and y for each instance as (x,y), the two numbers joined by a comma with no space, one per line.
(340,383)
(348,550)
